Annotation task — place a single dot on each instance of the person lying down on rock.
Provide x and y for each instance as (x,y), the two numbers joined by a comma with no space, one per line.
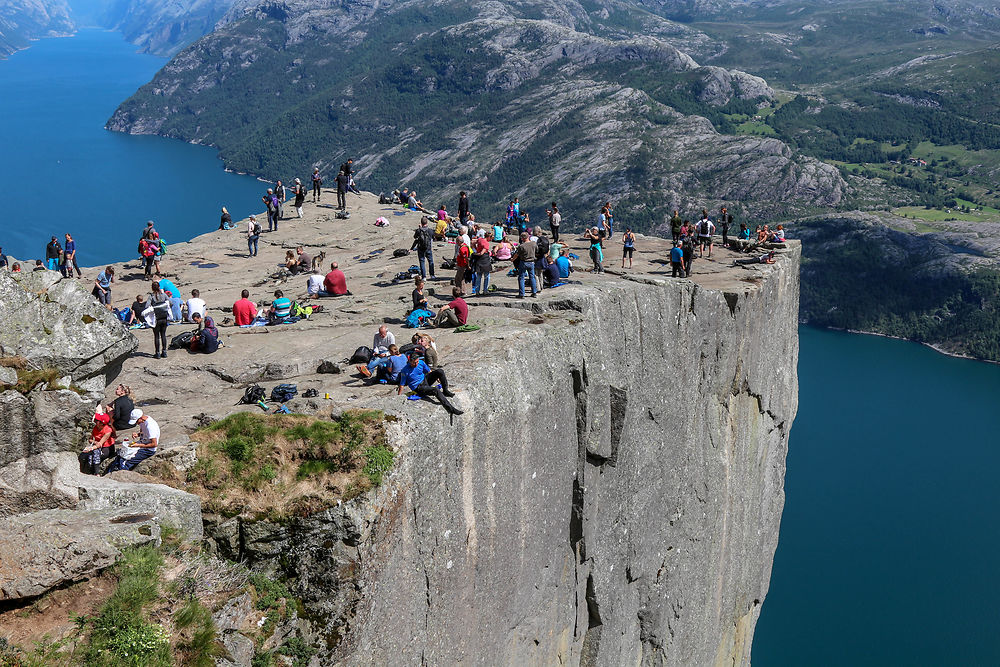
(421,380)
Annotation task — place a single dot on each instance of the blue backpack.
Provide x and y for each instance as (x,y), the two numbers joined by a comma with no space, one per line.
(416,318)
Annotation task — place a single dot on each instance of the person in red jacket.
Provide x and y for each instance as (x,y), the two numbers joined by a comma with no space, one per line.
(244,310)
(335,283)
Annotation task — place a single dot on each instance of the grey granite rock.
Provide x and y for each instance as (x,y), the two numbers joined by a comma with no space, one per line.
(57,324)
(42,550)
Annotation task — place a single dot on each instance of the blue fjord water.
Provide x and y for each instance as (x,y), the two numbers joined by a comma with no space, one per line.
(889,544)
(63,172)
(889,541)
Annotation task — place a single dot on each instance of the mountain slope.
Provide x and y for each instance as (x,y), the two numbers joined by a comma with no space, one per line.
(24,20)
(532,99)
(162,28)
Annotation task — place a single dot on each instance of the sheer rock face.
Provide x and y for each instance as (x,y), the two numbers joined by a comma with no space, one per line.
(612,494)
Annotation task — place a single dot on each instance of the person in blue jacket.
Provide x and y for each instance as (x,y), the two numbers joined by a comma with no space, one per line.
(419,377)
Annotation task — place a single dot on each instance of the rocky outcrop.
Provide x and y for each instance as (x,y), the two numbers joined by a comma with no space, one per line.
(609,499)
(43,550)
(59,525)
(54,323)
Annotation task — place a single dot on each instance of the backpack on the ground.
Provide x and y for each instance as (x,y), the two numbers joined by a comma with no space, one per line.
(418,317)
(342,215)
(310,393)
(284,392)
(251,395)
(182,341)
(400,252)
(362,355)
(298,310)
(382,199)
(122,314)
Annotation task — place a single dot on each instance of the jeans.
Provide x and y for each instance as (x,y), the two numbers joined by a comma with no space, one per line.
(272,220)
(252,244)
(378,362)
(526,268)
(316,191)
(484,282)
(427,256)
(160,336)
(141,455)
(555,233)
(341,199)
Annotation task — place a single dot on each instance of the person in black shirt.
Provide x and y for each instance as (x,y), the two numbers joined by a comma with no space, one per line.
(226,222)
(463,207)
(343,181)
(348,167)
(53,253)
(121,408)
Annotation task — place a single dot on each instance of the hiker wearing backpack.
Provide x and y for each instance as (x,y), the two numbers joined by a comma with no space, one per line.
(706,228)
(423,243)
(160,304)
(421,380)
(628,247)
(253,235)
(272,210)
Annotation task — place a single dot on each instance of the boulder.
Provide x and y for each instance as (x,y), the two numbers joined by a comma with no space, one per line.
(53,322)
(129,491)
(42,550)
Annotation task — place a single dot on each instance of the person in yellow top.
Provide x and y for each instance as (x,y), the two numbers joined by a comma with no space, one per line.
(440,229)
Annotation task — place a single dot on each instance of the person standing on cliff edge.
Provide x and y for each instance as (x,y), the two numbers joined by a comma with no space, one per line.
(317,184)
(463,207)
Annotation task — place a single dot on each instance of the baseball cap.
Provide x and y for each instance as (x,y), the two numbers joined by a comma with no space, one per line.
(135,416)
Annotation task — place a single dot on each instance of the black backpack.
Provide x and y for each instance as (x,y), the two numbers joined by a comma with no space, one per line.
(253,393)
(182,341)
(362,355)
(284,392)
(400,252)
(543,246)
(704,228)
(257,229)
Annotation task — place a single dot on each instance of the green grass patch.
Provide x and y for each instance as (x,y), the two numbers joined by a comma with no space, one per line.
(278,466)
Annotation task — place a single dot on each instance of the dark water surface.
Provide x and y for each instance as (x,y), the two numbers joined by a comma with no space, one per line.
(63,172)
(889,542)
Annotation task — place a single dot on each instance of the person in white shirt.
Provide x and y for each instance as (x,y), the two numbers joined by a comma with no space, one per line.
(195,305)
(144,442)
(705,229)
(314,285)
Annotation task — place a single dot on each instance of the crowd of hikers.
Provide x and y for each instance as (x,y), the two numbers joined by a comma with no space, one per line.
(537,259)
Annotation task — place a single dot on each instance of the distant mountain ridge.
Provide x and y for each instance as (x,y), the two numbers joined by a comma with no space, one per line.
(160,28)
(24,20)
(537,99)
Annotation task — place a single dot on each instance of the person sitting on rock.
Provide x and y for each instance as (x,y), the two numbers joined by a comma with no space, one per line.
(136,310)
(176,305)
(380,351)
(144,442)
(303,262)
(455,313)
(778,235)
(207,337)
(550,271)
(280,308)
(335,283)
(100,446)
(421,380)
(244,310)
(419,298)
(121,408)
(562,261)
(314,285)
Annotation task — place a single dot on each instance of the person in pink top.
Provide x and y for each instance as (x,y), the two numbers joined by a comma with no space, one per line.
(443,212)
(244,310)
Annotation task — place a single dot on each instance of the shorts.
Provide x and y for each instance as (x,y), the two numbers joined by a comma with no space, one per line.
(704,239)
(627,252)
